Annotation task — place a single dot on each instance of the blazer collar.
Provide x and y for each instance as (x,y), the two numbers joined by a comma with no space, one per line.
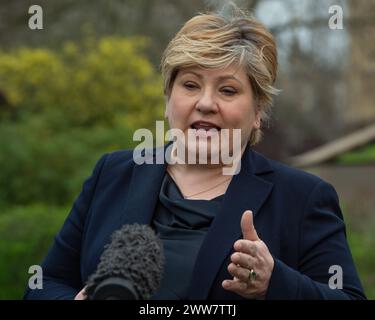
(144,189)
(247,190)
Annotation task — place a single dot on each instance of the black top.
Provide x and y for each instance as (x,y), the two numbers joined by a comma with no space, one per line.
(181,225)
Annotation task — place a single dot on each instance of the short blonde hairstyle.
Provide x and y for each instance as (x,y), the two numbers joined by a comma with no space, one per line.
(215,40)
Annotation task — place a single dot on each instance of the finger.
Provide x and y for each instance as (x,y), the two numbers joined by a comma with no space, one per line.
(82,295)
(239,272)
(235,286)
(247,226)
(244,260)
(246,246)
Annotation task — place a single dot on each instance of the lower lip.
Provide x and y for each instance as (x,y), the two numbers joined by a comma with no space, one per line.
(204,133)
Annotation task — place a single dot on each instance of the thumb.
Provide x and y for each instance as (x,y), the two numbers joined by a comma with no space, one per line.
(247,226)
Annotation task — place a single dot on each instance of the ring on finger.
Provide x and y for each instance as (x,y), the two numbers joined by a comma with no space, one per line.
(252,275)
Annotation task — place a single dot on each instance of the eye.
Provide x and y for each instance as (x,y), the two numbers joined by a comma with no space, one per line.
(228,91)
(190,85)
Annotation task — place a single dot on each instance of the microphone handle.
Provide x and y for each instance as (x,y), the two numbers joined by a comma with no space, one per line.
(115,288)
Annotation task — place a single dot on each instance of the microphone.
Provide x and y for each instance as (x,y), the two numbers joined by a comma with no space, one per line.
(130,267)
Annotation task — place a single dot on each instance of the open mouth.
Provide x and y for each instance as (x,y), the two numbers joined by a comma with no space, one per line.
(204,125)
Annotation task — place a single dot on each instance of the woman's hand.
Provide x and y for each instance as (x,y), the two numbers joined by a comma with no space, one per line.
(252,263)
(81,295)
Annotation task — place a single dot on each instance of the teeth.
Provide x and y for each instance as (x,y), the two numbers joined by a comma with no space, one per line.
(204,127)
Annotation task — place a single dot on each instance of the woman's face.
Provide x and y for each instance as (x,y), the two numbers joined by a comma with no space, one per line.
(212,99)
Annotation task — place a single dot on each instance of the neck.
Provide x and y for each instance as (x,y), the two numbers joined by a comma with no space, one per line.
(204,171)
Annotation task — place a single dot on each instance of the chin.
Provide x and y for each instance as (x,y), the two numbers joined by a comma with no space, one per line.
(209,153)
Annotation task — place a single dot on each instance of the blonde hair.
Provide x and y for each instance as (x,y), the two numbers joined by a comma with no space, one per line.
(218,40)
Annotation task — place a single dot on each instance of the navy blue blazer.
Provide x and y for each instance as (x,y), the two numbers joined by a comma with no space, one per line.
(295,213)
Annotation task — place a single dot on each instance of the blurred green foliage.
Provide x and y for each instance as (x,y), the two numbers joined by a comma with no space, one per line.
(87,84)
(365,155)
(65,109)
(362,243)
(26,234)
(40,164)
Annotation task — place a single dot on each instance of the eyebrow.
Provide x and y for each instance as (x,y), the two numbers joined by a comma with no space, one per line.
(221,78)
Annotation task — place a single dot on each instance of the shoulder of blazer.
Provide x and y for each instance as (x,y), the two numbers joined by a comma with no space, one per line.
(282,174)
(118,160)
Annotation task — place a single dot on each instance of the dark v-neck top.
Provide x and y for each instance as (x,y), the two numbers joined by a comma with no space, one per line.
(181,225)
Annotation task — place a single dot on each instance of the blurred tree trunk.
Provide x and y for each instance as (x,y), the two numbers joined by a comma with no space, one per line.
(361,67)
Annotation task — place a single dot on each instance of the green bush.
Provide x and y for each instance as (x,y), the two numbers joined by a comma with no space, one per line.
(26,234)
(365,155)
(362,243)
(90,83)
(42,165)
(65,109)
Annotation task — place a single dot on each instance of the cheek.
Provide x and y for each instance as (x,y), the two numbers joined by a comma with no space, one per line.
(240,118)
(177,112)
(180,106)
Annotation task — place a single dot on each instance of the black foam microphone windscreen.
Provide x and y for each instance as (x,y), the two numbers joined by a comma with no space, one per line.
(130,267)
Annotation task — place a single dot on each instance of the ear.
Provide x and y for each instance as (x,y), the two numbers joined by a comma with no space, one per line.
(257,120)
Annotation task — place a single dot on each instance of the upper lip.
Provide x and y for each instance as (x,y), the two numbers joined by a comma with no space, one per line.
(203,124)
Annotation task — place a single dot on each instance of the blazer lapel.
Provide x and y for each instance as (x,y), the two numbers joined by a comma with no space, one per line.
(144,191)
(246,191)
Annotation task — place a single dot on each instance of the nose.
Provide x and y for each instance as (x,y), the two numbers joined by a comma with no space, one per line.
(206,103)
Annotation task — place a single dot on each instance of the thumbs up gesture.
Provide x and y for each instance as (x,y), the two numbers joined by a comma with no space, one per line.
(251,264)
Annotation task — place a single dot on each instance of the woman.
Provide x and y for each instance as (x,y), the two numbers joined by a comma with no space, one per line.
(266,231)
